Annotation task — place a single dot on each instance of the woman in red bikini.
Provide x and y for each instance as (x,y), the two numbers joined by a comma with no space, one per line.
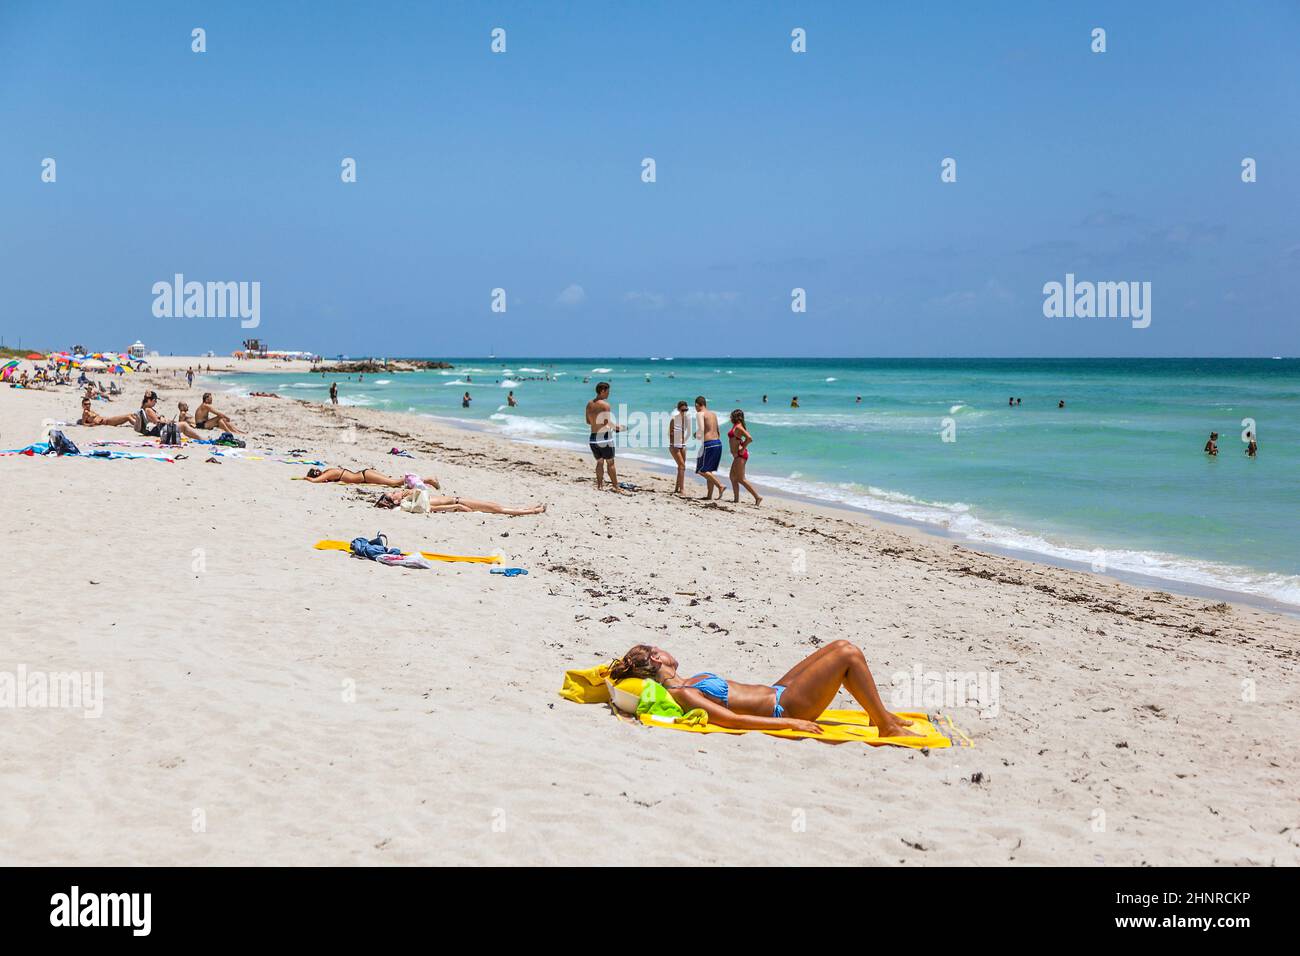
(740,439)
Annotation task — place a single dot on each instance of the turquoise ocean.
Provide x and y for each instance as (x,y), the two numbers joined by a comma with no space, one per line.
(1116,480)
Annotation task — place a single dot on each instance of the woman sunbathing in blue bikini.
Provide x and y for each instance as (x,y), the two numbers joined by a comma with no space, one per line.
(792,703)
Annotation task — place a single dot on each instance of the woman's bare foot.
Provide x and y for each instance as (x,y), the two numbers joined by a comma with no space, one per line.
(896,728)
(757,501)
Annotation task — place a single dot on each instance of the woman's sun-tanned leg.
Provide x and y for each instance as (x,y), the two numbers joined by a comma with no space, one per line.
(813,683)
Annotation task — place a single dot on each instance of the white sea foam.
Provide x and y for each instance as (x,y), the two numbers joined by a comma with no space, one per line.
(601,371)
(832,379)
(509,383)
(521,426)
(956,519)
(384,381)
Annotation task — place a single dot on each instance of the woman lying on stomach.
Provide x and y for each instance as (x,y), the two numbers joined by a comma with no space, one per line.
(792,703)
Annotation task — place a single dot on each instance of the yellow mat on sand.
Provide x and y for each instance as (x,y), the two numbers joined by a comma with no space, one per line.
(844,726)
(472,558)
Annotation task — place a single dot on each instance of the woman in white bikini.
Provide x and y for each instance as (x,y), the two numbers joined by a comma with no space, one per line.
(678,429)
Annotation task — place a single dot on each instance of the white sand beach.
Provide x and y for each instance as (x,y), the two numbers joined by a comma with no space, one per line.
(268,703)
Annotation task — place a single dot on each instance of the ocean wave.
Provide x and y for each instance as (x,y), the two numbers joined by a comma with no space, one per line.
(538,370)
(520,426)
(384,381)
(601,371)
(509,383)
(957,519)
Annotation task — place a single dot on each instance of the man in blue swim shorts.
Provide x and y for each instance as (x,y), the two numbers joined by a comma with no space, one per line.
(706,429)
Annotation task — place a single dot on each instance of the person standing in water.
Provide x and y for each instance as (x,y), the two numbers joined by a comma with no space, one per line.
(464,402)
(677,433)
(1212,446)
(740,439)
(1252,446)
(706,430)
(334,393)
(600,420)
(510,399)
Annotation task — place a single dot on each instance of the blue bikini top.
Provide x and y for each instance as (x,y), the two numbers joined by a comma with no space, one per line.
(712,686)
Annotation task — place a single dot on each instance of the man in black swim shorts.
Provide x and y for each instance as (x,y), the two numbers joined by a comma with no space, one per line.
(603,427)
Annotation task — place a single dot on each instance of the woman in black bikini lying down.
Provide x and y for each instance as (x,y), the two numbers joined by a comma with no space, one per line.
(391,499)
(792,703)
(366,476)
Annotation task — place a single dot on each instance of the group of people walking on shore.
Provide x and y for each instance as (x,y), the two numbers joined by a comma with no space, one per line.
(603,428)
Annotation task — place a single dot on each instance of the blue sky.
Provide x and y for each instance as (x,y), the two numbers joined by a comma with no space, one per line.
(775,170)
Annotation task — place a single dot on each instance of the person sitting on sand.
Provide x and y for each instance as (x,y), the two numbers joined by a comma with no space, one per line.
(391,499)
(793,703)
(1212,446)
(90,417)
(366,476)
(207,417)
(148,422)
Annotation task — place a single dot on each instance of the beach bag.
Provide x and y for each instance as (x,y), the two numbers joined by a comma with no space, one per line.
(228,439)
(61,444)
(170,434)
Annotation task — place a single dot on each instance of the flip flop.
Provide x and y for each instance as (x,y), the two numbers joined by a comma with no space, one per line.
(508,572)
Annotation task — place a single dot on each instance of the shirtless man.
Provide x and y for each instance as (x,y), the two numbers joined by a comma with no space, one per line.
(207,417)
(1212,446)
(90,417)
(601,422)
(706,430)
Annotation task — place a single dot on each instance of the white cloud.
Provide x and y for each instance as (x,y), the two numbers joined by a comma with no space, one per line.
(571,296)
(712,299)
(646,300)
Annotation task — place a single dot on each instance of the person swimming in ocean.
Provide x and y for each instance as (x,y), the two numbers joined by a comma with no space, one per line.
(764,399)
(794,402)
(1212,446)
(1061,403)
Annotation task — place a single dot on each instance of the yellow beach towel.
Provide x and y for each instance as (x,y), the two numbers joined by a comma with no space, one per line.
(843,726)
(473,558)
(587,686)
